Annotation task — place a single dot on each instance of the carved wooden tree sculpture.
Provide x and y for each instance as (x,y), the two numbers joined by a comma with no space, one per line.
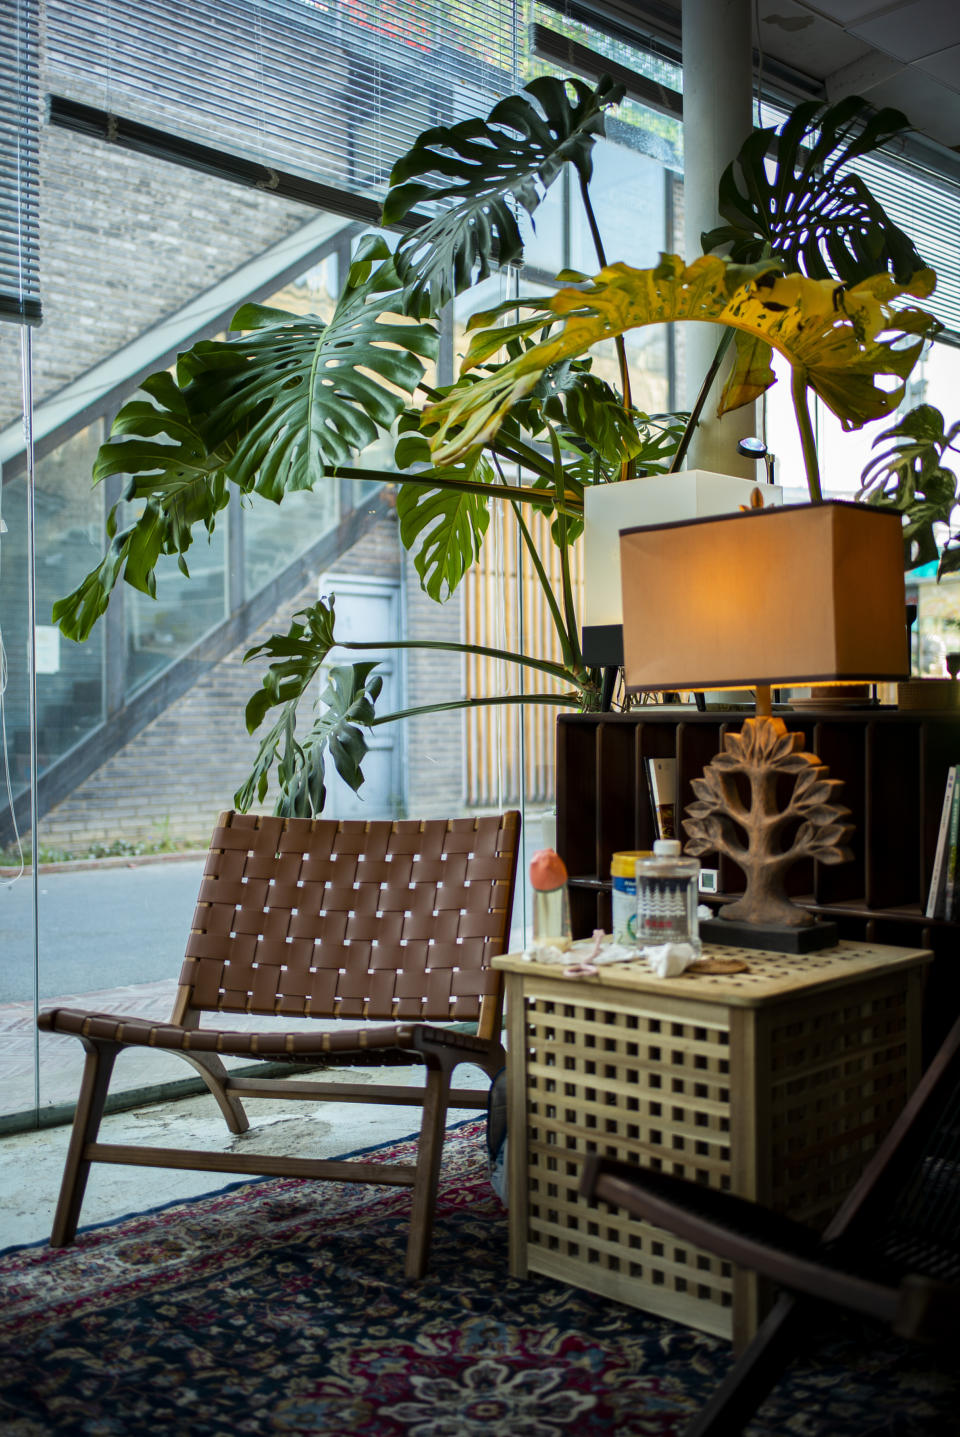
(766,836)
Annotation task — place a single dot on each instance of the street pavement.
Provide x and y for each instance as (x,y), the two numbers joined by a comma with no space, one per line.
(99,928)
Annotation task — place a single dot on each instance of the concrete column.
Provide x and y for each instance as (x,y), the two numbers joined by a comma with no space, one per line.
(717,118)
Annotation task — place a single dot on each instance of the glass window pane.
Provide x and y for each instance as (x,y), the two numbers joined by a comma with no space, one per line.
(275,534)
(545,237)
(158,772)
(160,630)
(69,530)
(70,691)
(628,195)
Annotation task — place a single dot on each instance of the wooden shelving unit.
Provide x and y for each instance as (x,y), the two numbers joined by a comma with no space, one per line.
(894,766)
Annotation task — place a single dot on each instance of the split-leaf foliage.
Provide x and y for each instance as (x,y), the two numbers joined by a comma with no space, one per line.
(287,401)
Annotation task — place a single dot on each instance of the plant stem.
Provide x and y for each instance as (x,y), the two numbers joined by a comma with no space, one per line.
(556,671)
(798,389)
(553,700)
(542,575)
(569,609)
(434,480)
(726,339)
(627,468)
(546,586)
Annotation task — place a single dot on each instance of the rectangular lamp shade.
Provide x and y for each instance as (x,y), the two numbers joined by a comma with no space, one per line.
(798,594)
(656,499)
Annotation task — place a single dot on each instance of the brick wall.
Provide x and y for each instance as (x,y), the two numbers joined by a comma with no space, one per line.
(126,240)
(180,771)
(434,744)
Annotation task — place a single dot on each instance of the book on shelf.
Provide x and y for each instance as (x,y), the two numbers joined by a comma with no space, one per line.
(662,782)
(949,908)
(936,898)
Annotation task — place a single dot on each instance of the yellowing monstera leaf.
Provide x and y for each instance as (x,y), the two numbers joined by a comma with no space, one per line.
(850,345)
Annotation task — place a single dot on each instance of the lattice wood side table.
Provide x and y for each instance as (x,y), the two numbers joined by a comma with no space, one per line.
(776,1084)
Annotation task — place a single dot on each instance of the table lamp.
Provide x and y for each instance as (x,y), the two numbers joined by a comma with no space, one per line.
(795,595)
(608,509)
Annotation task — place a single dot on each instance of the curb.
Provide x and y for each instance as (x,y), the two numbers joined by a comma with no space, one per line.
(132,860)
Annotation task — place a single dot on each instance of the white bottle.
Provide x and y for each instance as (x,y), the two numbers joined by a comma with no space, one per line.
(667,897)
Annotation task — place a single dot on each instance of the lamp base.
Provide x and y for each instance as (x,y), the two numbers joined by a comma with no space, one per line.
(776,938)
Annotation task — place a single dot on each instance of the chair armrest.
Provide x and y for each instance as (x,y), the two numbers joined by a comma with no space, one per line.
(714,1219)
(739,1230)
(447,1047)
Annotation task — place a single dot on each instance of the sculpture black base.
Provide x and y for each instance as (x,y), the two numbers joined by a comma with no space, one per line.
(774,937)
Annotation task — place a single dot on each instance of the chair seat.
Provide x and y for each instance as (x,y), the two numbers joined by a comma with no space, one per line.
(140,1032)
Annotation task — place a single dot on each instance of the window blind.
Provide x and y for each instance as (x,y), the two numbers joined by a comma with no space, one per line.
(927,208)
(19,128)
(334,90)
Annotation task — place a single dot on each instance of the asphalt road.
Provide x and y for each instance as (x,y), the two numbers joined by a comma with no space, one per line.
(99,928)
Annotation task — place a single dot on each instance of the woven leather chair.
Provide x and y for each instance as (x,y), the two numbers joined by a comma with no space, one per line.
(891,1252)
(393,921)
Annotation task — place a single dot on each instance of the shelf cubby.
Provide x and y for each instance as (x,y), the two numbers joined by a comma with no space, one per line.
(893,766)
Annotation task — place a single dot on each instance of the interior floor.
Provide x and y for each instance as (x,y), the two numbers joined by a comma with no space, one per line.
(31,1163)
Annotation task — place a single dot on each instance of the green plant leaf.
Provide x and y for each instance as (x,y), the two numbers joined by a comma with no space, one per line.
(589,410)
(177,479)
(303,396)
(347,707)
(295,656)
(785,196)
(478,172)
(269,411)
(442,527)
(910,476)
(848,343)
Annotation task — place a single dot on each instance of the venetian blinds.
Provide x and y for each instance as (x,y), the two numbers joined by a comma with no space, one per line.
(330,90)
(927,208)
(19,125)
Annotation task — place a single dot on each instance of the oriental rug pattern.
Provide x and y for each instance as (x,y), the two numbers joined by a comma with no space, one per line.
(279,1307)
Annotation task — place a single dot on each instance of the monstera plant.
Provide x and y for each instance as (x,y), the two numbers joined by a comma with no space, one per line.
(912,476)
(288,402)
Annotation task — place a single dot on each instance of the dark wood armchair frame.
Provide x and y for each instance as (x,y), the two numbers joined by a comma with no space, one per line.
(394,921)
(891,1253)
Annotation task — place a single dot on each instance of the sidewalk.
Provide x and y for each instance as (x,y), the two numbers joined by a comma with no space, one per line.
(124,920)
(62,1056)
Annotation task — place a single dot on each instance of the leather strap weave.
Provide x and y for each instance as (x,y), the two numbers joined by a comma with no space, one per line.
(380,920)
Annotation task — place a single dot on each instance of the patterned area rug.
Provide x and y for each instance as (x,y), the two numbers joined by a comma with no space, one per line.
(279,1307)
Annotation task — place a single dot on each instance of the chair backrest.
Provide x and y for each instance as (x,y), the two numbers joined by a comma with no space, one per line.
(360,920)
(906,1203)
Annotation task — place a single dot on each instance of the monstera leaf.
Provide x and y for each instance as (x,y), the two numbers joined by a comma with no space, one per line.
(785,196)
(590,413)
(478,172)
(846,344)
(346,706)
(442,526)
(910,476)
(295,659)
(268,411)
(304,395)
(176,479)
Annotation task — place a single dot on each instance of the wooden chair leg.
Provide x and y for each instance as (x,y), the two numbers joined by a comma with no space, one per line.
(754,1374)
(429,1153)
(216,1077)
(97,1070)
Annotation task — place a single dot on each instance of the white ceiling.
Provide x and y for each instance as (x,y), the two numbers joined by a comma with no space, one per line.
(904,53)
